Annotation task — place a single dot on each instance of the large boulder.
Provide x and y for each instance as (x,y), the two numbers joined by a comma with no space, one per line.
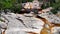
(50,17)
(19,23)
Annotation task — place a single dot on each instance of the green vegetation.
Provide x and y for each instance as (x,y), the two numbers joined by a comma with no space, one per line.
(55,4)
(15,5)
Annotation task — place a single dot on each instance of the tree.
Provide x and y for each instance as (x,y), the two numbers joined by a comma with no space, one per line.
(10,4)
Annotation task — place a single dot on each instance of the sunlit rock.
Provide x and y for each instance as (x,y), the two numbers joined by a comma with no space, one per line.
(3,25)
(55,30)
(50,17)
(23,22)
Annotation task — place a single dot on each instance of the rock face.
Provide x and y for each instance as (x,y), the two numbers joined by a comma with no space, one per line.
(32,5)
(50,17)
(56,30)
(58,14)
(13,22)
(0,30)
(21,24)
(2,26)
